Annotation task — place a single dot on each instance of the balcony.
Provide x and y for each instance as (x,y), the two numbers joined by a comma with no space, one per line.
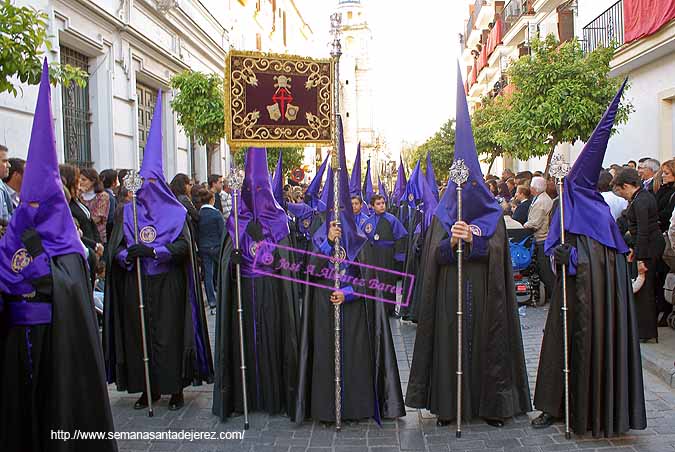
(514,10)
(606,30)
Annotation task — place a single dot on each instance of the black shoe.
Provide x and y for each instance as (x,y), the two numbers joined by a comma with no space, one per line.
(142,401)
(544,420)
(176,402)
(495,422)
(442,422)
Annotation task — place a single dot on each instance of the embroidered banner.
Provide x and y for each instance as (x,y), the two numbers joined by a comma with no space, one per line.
(277,100)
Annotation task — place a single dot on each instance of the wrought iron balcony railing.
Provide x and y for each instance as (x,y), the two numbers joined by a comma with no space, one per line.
(606,30)
(514,10)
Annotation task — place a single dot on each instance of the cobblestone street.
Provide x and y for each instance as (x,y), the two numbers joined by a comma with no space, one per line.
(416,431)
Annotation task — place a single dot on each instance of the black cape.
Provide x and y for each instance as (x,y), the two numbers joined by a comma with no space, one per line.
(371,386)
(415,246)
(68,375)
(271,359)
(495,377)
(178,340)
(606,388)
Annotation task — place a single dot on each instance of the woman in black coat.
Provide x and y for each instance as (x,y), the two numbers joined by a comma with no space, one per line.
(70,176)
(646,243)
(665,196)
(181,186)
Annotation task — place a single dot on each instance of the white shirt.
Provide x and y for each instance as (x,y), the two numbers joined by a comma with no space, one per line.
(616,203)
(13,195)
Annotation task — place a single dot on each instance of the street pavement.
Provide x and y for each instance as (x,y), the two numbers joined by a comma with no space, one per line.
(417,431)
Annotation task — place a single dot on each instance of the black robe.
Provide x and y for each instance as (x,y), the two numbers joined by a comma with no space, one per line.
(177,335)
(495,377)
(371,386)
(65,389)
(415,246)
(606,388)
(270,340)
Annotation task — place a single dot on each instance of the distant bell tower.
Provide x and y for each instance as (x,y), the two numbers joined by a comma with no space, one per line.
(356,94)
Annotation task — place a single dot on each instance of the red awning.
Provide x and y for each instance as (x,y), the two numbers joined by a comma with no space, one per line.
(645,17)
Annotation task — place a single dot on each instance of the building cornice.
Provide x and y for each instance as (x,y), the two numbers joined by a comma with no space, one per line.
(644,50)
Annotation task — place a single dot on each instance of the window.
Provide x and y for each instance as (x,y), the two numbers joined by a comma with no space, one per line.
(257,5)
(258,41)
(147,98)
(349,15)
(76,113)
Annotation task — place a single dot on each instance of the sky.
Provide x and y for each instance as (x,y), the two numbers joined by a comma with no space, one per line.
(414,55)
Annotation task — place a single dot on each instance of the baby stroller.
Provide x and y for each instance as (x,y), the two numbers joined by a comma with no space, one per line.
(525,276)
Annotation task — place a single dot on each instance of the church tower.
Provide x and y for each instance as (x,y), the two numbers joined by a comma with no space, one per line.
(356,102)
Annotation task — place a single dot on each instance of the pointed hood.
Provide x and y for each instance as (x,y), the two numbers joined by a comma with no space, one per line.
(303,215)
(278,182)
(481,209)
(322,205)
(413,189)
(382,190)
(352,237)
(51,217)
(160,215)
(355,181)
(368,190)
(431,177)
(257,200)
(429,200)
(312,192)
(586,212)
(401,182)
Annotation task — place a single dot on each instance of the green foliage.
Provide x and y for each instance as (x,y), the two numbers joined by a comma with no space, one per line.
(23,34)
(560,96)
(199,105)
(491,128)
(292,158)
(442,148)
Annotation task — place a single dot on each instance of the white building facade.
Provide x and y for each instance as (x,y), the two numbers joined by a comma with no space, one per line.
(649,64)
(131,49)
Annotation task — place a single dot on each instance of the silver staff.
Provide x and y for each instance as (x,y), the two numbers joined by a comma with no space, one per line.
(336,51)
(559,169)
(133,183)
(235,179)
(459,174)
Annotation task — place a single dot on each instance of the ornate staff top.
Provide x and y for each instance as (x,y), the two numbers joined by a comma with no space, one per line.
(133,182)
(559,167)
(459,172)
(335,24)
(235,178)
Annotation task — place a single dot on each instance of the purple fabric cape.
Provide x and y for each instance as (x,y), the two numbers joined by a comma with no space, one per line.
(586,212)
(161,216)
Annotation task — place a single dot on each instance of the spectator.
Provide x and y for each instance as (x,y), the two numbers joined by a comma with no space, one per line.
(646,243)
(508,219)
(6,207)
(211,230)
(616,203)
(121,174)
(524,202)
(14,179)
(504,192)
(181,186)
(665,195)
(552,187)
(109,180)
(96,199)
(71,181)
(646,170)
(507,174)
(538,221)
(523,178)
(492,186)
(631,164)
(216,187)
(511,185)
